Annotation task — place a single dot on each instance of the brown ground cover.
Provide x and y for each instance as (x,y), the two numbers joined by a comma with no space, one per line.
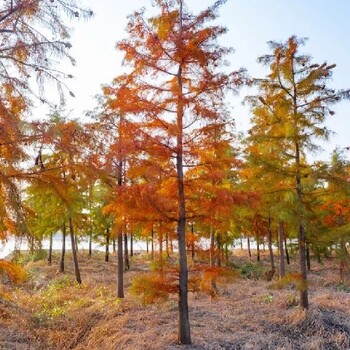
(50,311)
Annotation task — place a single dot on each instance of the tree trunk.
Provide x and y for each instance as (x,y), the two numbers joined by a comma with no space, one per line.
(257,246)
(147,245)
(63,253)
(272,258)
(152,244)
(308,262)
(49,257)
(167,244)
(192,241)
(184,334)
(90,244)
(249,250)
(212,260)
(241,242)
(281,251)
(74,252)
(286,249)
(126,253)
(107,245)
(120,264)
(114,245)
(219,252)
(131,244)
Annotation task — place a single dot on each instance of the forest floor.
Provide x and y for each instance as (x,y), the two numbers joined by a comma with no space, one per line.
(50,311)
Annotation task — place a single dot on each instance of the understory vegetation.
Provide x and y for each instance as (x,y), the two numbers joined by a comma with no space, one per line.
(50,310)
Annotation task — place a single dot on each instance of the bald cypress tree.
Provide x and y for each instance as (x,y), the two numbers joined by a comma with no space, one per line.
(288,115)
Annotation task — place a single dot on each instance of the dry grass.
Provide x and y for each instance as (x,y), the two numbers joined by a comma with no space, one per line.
(49,311)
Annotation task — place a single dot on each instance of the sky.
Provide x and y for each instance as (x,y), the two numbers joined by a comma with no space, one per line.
(251,24)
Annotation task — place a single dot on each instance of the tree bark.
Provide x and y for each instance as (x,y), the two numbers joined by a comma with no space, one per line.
(63,252)
(74,252)
(120,264)
(286,249)
(249,250)
(90,244)
(126,253)
(131,244)
(272,258)
(184,334)
(49,257)
(107,246)
(281,251)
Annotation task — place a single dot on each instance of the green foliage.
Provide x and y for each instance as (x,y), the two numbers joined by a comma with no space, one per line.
(343,287)
(22,259)
(252,271)
(57,299)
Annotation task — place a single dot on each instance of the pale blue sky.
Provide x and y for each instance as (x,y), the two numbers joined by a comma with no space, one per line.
(251,24)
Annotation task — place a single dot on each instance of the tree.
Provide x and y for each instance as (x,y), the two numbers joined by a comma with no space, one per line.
(173,92)
(33,35)
(288,116)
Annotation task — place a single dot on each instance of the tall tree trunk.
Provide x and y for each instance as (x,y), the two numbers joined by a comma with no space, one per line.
(212,260)
(167,244)
(131,244)
(126,253)
(63,252)
(114,245)
(241,242)
(249,250)
(281,251)
(120,269)
(152,244)
(49,256)
(286,249)
(120,264)
(257,246)
(147,245)
(107,245)
(192,241)
(219,252)
(308,262)
(184,334)
(74,252)
(90,243)
(272,258)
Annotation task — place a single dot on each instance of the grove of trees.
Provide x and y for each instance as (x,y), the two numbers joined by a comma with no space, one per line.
(160,160)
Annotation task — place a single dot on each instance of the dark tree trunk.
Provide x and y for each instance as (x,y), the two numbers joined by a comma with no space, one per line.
(74,252)
(219,252)
(107,245)
(192,241)
(281,250)
(49,256)
(120,265)
(304,300)
(257,246)
(249,250)
(308,261)
(212,261)
(147,245)
(241,242)
(272,258)
(63,252)
(167,244)
(286,249)
(114,245)
(90,244)
(131,244)
(152,244)
(126,253)
(184,334)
